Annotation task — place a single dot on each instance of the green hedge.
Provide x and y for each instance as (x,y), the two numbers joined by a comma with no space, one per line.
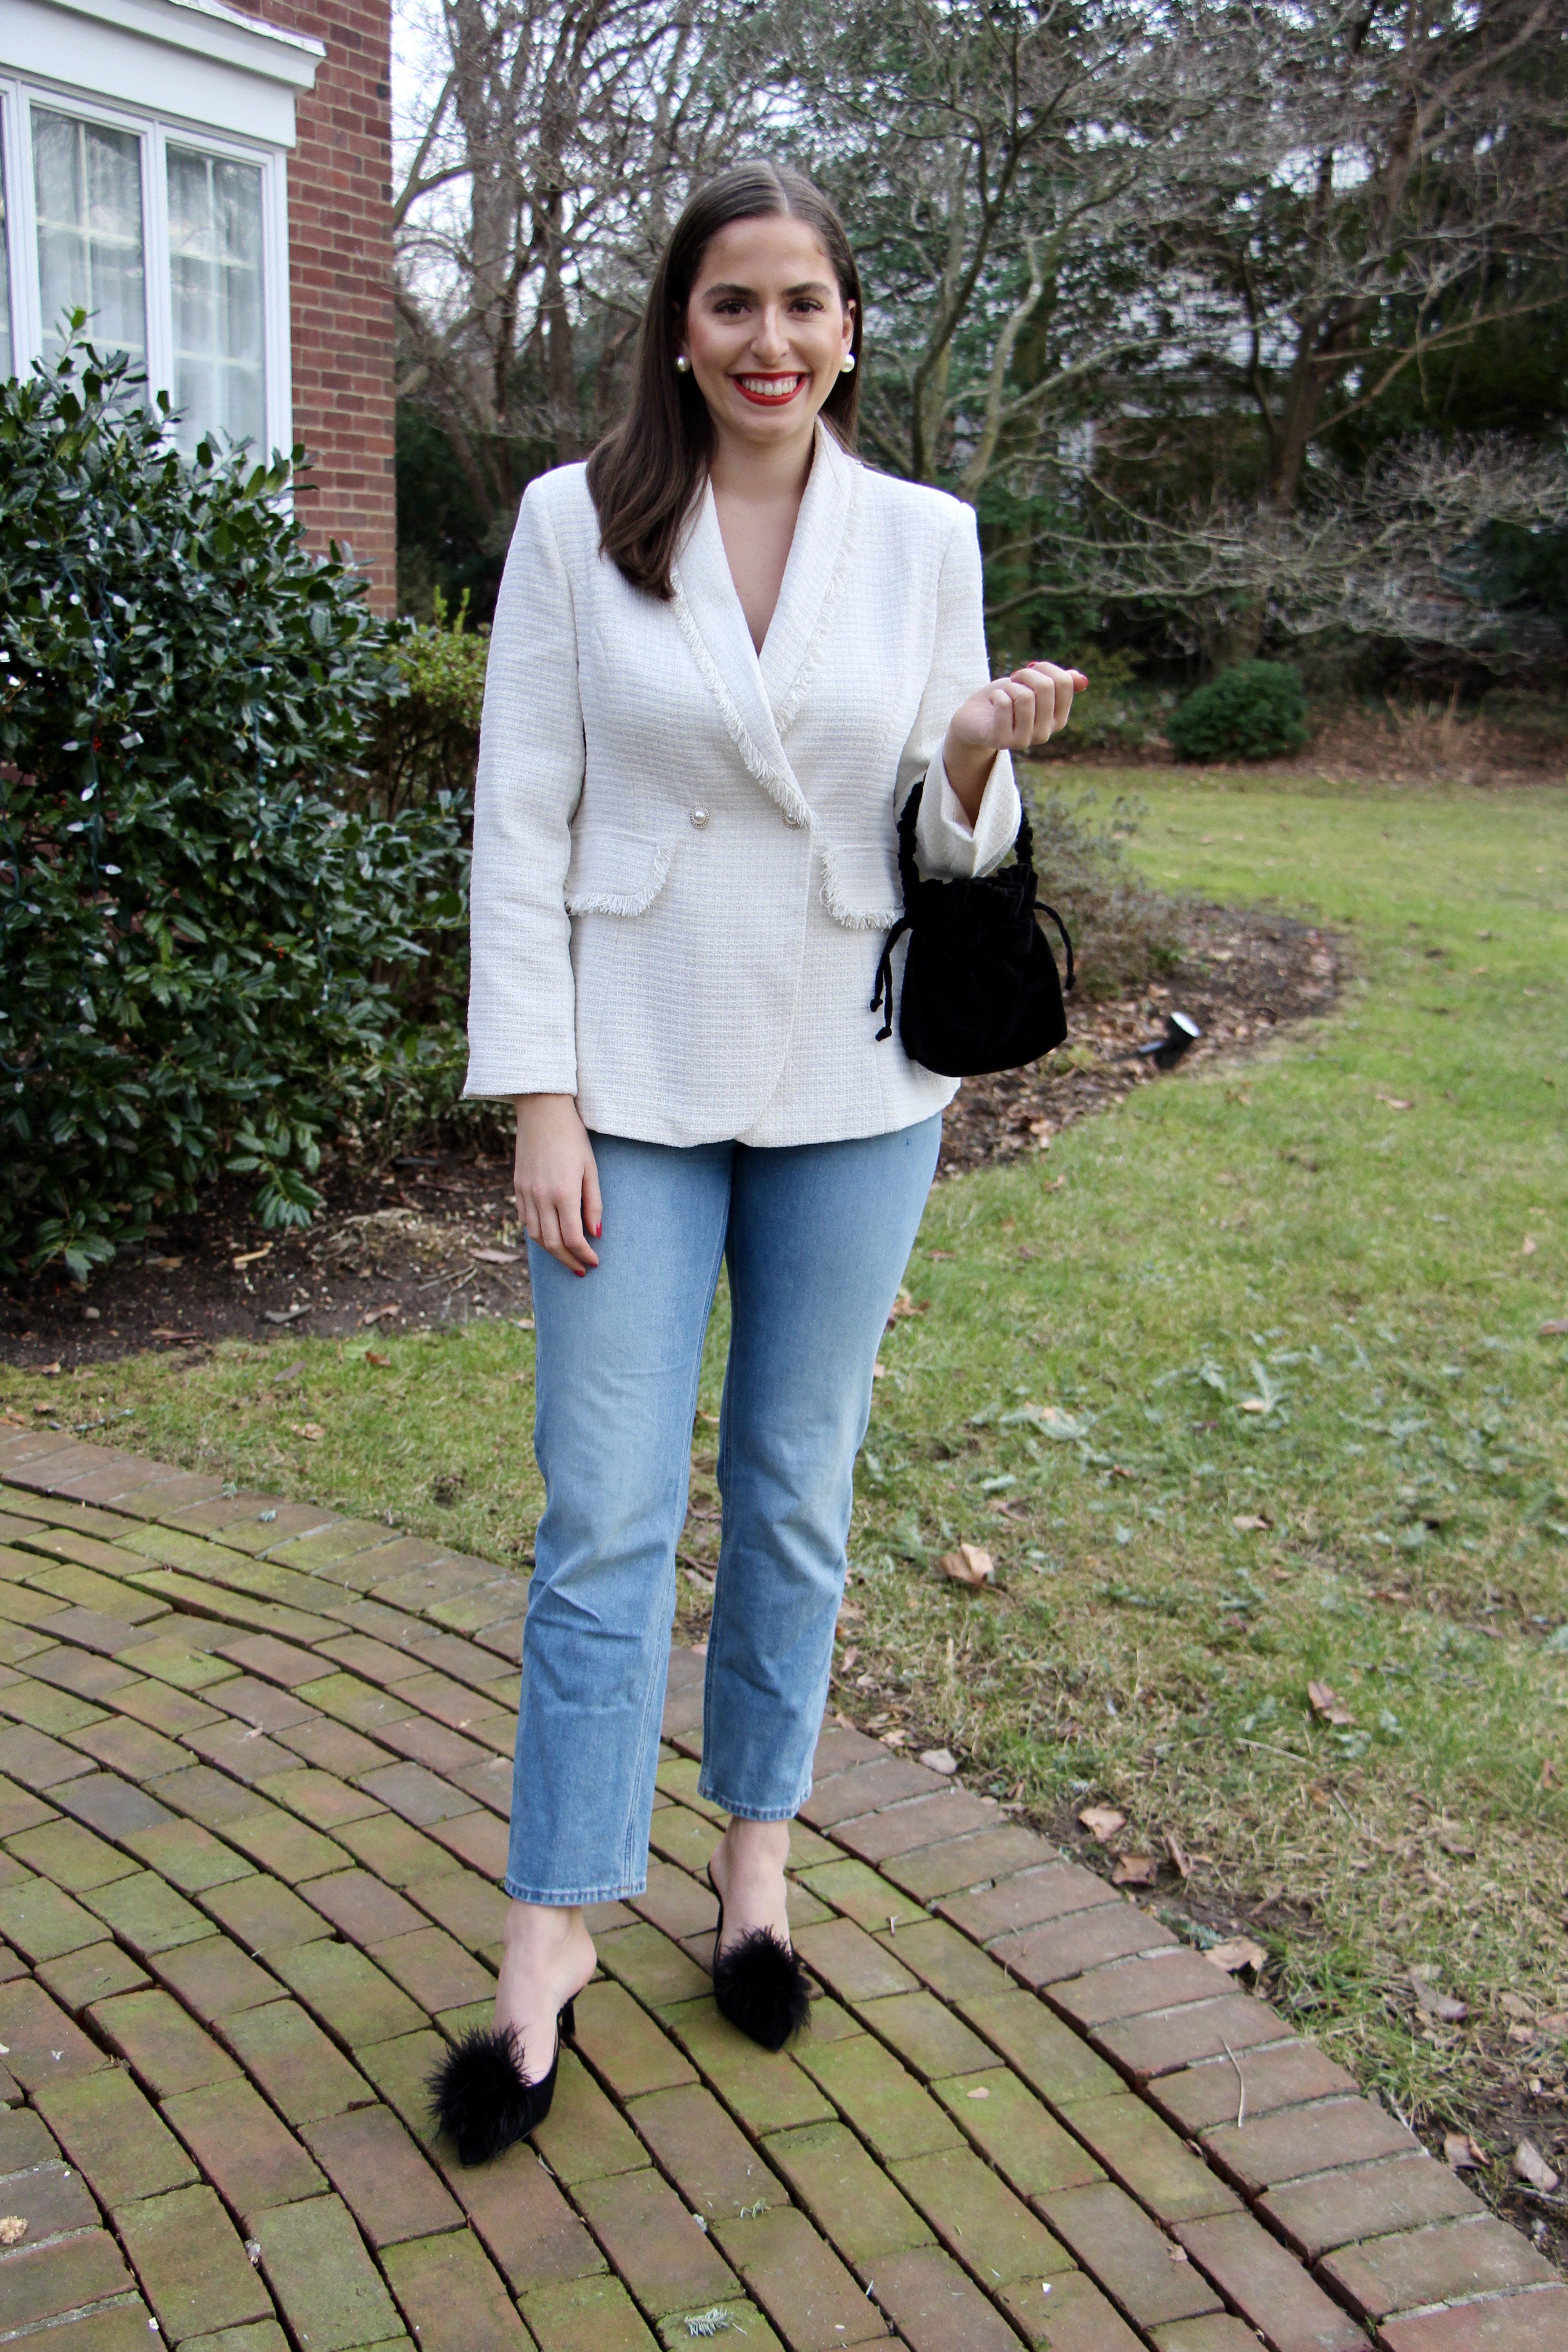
(1256,711)
(203,947)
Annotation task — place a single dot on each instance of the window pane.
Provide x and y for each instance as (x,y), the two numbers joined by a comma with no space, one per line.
(214,262)
(7,365)
(89,191)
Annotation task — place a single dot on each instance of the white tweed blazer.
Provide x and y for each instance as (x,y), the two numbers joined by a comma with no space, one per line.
(684,853)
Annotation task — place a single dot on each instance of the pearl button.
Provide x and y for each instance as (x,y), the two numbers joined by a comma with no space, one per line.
(699,816)
(790,817)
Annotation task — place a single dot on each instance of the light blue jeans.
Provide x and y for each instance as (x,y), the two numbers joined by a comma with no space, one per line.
(816,1238)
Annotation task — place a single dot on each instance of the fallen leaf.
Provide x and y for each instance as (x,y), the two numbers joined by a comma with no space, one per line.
(1254,1404)
(1522,2034)
(1440,2005)
(1460,2152)
(309,1429)
(1326,1703)
(371,1357)
(968,1565)
(1512,2006)
(981,2091)
(1555,2022)
(1396,1102)
(186,1339)
(285,1314)
(1178,1855)
(1533,2168)
(1135,1870)
(904,1307)
(13,2228)
(1102,1822)
(1251,1522)
(1527,1247)
(496,1257)
(51,1372)
(1556,1330)
(1236,1953)
(380,1314)
(879,1371)
(1455,1841)
(938,1759)
(167,1264)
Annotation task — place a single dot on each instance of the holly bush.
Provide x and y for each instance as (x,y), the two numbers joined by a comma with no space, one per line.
(1256,711)
(202,944)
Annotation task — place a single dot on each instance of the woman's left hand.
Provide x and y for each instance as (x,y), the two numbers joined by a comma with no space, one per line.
(1011,714)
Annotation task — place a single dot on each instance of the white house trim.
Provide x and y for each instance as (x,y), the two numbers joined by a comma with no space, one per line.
(201,64)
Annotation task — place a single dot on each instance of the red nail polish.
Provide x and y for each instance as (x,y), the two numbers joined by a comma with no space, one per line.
(599,1232)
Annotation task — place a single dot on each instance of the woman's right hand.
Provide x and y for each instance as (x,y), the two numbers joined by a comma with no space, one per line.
(556,1180)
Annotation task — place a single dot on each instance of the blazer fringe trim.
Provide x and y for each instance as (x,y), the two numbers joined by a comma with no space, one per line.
(622,902)
(853,919)
(781,789)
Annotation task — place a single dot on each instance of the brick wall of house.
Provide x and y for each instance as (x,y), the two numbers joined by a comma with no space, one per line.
(339,261)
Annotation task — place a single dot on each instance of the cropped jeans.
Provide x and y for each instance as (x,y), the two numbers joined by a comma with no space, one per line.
(816,1238)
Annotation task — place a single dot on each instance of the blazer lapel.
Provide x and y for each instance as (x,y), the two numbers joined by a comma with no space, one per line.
(820,559)
(757,699)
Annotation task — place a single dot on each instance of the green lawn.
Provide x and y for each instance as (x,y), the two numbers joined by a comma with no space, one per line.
(1305,1290)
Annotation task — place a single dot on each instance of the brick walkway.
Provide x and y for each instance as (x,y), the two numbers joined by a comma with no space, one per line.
(256,1774)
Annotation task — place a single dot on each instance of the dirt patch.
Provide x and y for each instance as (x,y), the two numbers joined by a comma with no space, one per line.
(1241,978)
(435,1239)
(432,1241)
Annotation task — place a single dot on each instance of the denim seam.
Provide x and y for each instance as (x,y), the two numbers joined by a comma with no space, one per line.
(556,1898)
(629,1849)
(753,1812)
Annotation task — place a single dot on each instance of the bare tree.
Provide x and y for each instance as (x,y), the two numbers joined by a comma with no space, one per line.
(1391,181)
(995,162)
(545,142)
(1395,554)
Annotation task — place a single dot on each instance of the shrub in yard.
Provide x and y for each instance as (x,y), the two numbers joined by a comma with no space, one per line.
(1256,711)
(199,942)
(1123,932)
(427,739)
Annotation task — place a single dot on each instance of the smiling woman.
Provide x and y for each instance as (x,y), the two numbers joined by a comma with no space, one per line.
(726,656)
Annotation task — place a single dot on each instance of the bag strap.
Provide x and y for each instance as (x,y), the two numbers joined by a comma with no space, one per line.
(1067,940)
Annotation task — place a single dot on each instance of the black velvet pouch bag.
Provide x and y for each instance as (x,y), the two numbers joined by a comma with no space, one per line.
(981,990)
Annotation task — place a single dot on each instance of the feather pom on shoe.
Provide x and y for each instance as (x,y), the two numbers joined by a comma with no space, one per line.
(761,1987)
(481,2096)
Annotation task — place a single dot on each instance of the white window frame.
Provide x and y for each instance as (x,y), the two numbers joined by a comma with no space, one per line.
(156,132)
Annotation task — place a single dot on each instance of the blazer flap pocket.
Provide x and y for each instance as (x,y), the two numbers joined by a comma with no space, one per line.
(614,874)
(860,884)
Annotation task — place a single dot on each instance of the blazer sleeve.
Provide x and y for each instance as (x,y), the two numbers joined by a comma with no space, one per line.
(522,998)
(945,842)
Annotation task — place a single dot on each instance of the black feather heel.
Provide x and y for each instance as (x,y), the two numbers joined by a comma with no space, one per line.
(759,1986)
(481,2095)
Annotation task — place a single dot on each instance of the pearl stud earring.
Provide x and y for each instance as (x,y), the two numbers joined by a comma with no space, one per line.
(847,364)
(682,364)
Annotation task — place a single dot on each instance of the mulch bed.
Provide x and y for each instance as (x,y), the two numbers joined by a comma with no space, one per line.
(1242,977)
(433,1239)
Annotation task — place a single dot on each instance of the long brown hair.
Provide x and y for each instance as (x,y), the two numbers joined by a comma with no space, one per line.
(646,473)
